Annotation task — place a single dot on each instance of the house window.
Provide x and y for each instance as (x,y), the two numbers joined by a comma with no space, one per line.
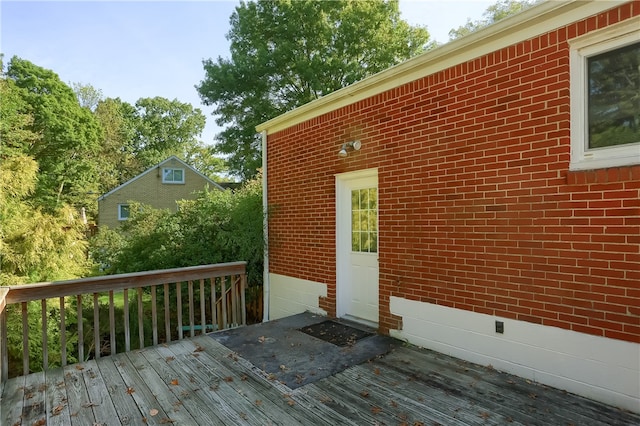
(123,211)
(172,175)
(605,98)
(364,220)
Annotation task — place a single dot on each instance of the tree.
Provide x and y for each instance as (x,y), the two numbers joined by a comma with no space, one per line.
(88,96)
(164,128)
(287,53)
(69,135)
(118,120)
(494,13)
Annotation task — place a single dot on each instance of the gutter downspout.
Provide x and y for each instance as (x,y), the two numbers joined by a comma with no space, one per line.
(265,230)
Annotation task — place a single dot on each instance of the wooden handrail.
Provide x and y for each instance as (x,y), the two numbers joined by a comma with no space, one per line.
(226,309)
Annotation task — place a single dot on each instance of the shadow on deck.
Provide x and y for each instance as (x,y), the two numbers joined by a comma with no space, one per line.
(273,373)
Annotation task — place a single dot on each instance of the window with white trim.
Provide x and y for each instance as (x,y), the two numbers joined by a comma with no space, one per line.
(170,175)
(123,211)
(605,97)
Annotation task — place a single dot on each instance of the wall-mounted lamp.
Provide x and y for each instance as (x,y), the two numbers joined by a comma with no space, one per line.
(349,146)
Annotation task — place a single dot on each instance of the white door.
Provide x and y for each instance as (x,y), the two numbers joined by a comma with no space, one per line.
(357,245)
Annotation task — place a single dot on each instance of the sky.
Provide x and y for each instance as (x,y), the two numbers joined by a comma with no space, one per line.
(141,49)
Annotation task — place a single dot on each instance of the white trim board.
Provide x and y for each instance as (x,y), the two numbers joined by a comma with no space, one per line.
(599,368)
(291,296)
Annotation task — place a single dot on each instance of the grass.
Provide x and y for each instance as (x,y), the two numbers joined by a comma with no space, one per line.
(118,298)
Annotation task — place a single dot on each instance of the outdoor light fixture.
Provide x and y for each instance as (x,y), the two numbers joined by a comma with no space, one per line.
(349,146)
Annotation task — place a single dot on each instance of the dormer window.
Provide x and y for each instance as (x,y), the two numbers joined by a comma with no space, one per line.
(170,175)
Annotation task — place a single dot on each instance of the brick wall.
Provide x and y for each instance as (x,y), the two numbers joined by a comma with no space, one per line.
(477,207)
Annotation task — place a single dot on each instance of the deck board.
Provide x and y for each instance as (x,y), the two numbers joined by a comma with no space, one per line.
(200,381)
(56,405)
(77,396)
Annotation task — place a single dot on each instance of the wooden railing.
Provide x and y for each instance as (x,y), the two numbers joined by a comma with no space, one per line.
(215,300)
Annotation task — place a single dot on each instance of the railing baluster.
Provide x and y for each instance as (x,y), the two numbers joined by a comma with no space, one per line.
(45,342)
(203,314)
(4,351)
(223,299)
(80,329)
(179,308)
(243,302)
(140,319)
(112,325)
(96,326)
(63,334)
(191,313)
(25,339)
(234,300)
(214,316)
(127,326)
(154,316)
(167,318)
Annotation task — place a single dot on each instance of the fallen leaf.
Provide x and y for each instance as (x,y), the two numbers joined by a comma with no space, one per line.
(40,422)
(485,415)
(174,382)
(258,402)
(57,410)
(376,410)
(364,394)
(79,367)
(130,390)
(153,412)
(228,379)
(198,348)
(170,358)
(393,404)
(291,402)
(165,420)
(261,339)
(283,367)
(89,404)
(244,378)
(376,371)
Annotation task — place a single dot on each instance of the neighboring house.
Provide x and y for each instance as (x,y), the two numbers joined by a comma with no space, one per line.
(160,187)
(492,210)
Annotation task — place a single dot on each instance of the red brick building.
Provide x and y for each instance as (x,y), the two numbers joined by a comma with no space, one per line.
(488,205)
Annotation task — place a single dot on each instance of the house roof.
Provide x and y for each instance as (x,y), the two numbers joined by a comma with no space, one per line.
(149,170)
(530,23)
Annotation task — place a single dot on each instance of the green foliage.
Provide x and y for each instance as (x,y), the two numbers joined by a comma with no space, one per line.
(69,135)
(220,226)
(500,10)
(164,128)
(287,53)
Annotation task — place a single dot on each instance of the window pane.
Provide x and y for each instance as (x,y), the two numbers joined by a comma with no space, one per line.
(373,199)
(355,221)
(614,97)
(364,220)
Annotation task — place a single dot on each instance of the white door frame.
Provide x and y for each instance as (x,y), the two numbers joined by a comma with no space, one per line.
(343,234)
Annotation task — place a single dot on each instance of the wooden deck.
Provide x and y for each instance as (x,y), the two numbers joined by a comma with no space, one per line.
(201,382)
